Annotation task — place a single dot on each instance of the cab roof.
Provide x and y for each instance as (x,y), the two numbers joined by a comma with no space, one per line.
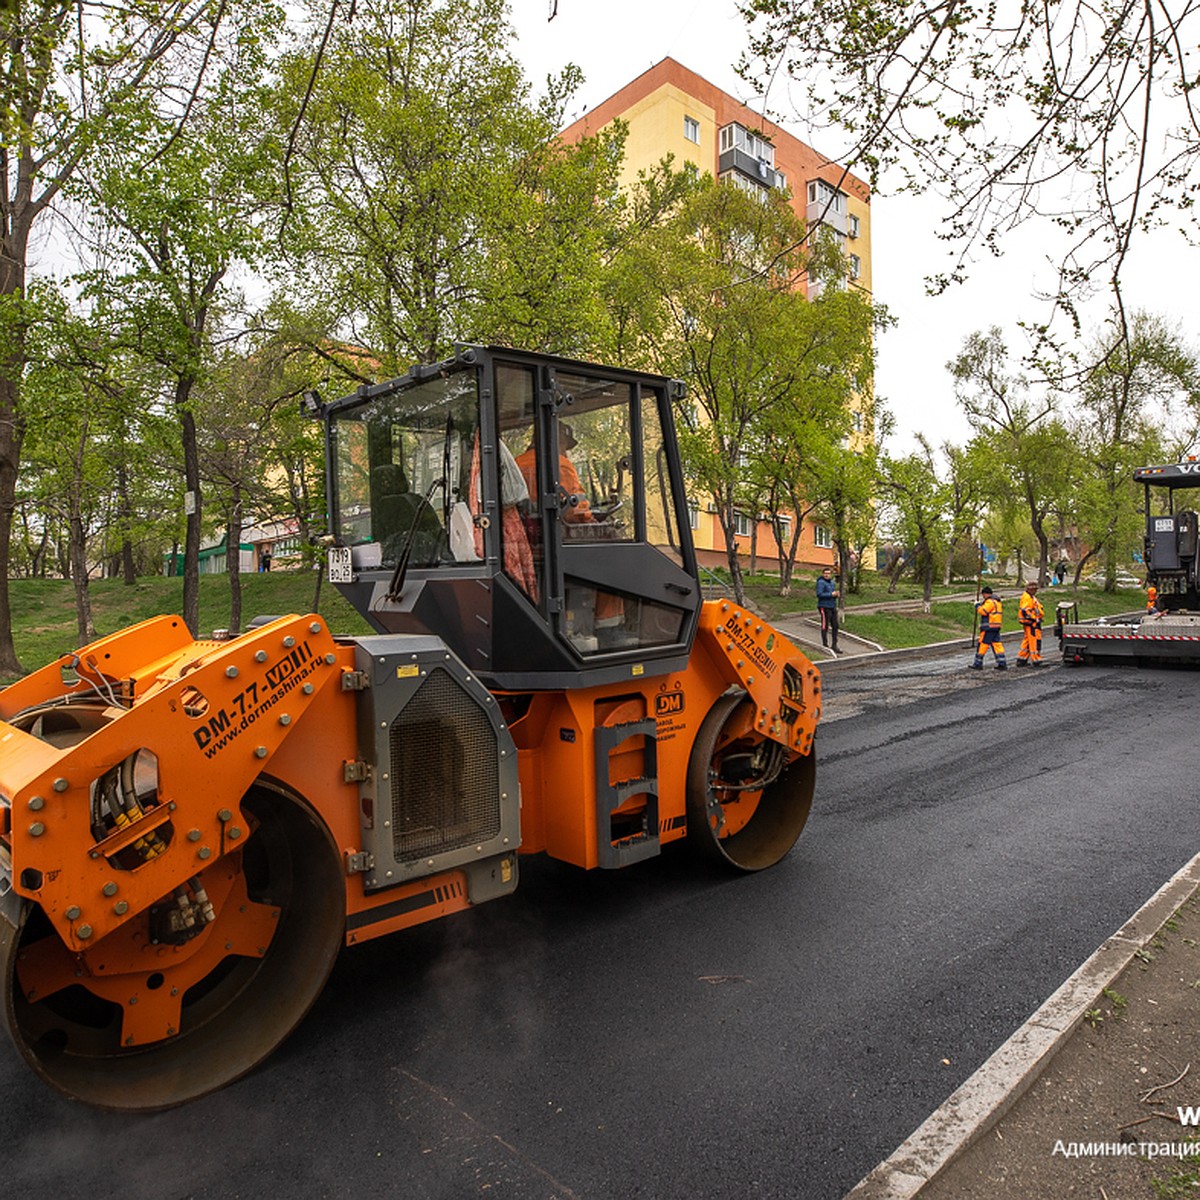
(1171,475)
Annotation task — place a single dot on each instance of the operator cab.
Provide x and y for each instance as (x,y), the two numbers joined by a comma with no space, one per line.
(528,510)
(1172,544)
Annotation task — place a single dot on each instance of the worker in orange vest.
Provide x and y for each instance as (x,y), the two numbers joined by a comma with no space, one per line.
(990,613)
(1030,614)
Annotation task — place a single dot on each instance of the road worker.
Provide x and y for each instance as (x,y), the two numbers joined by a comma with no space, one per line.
(1030,614)
(990,613)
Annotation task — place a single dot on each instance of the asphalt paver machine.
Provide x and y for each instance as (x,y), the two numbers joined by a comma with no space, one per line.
(1170,633)
(191,830)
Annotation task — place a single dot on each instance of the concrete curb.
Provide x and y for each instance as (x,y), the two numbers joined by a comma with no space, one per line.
(980,1102)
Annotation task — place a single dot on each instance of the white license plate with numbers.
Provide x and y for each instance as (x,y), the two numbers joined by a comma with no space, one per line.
(341,566)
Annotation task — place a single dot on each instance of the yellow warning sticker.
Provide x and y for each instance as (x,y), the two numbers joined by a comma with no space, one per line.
(408,672)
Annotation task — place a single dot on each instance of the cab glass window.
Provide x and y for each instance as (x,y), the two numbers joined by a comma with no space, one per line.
(595,469)
(408,470)
(521,518)
(662,524)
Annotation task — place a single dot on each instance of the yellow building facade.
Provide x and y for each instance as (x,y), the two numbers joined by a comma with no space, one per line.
(670,110)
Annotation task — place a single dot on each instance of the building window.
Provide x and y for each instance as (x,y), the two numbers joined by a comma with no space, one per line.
(855,266)
(691,129)
(827,196)
(693,515)
(858,422)
(854,227)
(821,537)
(737,137)
(743,526)
(739,181)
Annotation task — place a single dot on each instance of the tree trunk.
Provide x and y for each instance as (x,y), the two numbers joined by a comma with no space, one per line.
(233,560)
(928,573)
(191,478)
(12,433)
(298,495)
(1079,569)
(726,519)
(77,546)
(37,558)
(1110,569)
(128,569)
(79,577)
(1044,555)
(842,558)
(894,570)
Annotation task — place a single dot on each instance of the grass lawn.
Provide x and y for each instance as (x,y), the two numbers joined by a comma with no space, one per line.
(948,620)
(763,591)
(44,609)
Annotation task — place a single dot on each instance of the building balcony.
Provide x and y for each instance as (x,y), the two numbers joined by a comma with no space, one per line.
(757,170)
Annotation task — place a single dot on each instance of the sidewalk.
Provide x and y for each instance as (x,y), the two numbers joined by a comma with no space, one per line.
(1083,1098)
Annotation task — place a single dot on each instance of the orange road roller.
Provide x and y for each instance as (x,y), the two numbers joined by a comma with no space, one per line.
(191,830)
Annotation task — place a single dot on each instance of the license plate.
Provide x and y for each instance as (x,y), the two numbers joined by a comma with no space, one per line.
(341,567)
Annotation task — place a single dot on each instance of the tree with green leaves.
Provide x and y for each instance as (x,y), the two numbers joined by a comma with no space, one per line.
(765,368)
(845,480)
(1032,448)
(918,504)
(1136,381)
(179,204)
(82,466)
(966,487)
(66,70)
(284,369)
(62,403)
(1083,115)
(427,197)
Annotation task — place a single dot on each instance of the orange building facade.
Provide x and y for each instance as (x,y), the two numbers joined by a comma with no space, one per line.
(670,110)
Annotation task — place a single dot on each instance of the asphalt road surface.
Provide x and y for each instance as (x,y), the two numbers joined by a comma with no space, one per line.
(663,1033)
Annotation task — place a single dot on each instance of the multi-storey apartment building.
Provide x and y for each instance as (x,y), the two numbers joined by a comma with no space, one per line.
(670,110)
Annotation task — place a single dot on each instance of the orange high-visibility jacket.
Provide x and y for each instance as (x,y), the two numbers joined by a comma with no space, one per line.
(990,612)
(1031,612)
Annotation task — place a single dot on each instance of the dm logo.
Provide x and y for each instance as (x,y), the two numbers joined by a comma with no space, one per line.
(668,704)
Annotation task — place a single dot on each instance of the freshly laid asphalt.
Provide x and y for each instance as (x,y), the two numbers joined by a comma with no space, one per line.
(663,1032)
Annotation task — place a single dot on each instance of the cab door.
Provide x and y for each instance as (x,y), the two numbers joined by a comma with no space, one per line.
(620,569)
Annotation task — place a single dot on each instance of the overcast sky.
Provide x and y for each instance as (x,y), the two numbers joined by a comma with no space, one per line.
(616,41)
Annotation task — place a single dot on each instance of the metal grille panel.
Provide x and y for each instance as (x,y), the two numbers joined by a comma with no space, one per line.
(445,771)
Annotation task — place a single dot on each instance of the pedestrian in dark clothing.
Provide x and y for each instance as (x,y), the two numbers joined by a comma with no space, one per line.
(827,602)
